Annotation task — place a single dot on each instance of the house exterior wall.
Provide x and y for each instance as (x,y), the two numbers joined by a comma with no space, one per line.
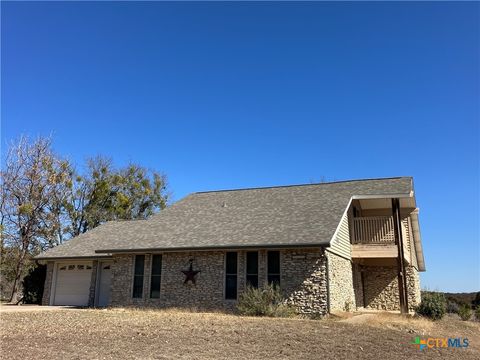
(380,288)
(303,280)
(340,283)
(340,244)
(358,286)
(413,286)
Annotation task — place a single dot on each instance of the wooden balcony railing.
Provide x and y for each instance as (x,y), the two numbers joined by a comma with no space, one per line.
(373,230)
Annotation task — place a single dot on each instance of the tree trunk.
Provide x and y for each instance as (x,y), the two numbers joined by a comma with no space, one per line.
(18,276)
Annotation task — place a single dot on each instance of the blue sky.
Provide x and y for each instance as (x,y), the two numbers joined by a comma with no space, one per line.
(229,95)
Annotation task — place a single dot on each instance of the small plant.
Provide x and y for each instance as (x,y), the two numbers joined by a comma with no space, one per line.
(433,305)
(452,307)
(477,313)
(348,306)
(465,312)
(267,301)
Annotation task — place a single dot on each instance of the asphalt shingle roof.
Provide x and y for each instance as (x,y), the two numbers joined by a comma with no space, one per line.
(297,215)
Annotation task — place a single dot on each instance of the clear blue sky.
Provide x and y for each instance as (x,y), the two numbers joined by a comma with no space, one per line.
(229,95)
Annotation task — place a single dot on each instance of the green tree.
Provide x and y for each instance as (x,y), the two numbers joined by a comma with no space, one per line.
(45,201)
(32,176)
(105,193)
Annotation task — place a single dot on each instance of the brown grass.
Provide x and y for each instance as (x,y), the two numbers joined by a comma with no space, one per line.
(173,334)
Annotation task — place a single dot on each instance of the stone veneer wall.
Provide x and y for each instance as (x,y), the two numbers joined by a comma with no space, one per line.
(207,294)
(47,287)
(358,286)
(413,285)
(303,280)
(340,283)
(381,287)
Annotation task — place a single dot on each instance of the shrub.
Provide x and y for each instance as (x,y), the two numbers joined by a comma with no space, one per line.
(433,305)
(452,307)
(477,313)
(465,312)
(476,301)
(267,301)
(33,285)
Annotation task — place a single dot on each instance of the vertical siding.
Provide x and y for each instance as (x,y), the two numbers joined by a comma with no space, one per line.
(340,245)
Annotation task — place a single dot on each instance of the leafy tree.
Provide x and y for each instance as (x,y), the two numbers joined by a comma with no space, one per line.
(32,176)
(45,201)
(105,193)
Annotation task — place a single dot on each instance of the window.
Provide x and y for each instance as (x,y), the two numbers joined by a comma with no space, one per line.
(156,276)
(138,276)
(63,268)
(273,267)
(80,267)
(252,268)
(71,267)
(89,267)
(231,275)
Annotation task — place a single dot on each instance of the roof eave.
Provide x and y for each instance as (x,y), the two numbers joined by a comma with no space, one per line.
(213,248)
(383,196)
(417,241)
(86,257)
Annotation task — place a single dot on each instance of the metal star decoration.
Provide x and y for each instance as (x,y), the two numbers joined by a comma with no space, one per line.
(190,273)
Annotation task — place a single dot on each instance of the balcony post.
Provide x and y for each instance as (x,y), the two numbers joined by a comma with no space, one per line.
(402,281)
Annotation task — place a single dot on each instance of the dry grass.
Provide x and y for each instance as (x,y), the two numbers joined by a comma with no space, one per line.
(148,334)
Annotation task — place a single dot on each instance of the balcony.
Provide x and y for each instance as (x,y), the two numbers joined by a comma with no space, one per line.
(374,237)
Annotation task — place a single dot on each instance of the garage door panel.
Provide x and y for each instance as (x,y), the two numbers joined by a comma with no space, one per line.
(73,284)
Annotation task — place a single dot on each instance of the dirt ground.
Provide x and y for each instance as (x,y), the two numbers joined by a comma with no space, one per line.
(149,334)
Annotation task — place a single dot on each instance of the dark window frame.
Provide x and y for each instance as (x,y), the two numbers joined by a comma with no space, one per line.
(273,277)
(155,276)
(138,277)
(231,293)
(250,275)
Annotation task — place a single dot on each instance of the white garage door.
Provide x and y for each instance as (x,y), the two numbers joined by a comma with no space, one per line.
(73,284)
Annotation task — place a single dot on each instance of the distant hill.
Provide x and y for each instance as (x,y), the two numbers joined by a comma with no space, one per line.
(463,298)
(471,299)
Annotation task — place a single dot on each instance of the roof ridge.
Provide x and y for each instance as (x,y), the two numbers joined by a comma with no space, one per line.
(298,185)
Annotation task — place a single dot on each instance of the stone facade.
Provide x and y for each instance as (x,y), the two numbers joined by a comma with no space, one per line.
(206,294)
(303,280)
(312,280)
(48,283)
(358,286)
(380,287)
(340,283)
(413,286)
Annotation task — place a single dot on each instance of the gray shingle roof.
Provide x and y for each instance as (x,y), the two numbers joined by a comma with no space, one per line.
(297,215)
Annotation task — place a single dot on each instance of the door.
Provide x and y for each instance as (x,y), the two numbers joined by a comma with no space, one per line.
(72,285)
(104,283)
